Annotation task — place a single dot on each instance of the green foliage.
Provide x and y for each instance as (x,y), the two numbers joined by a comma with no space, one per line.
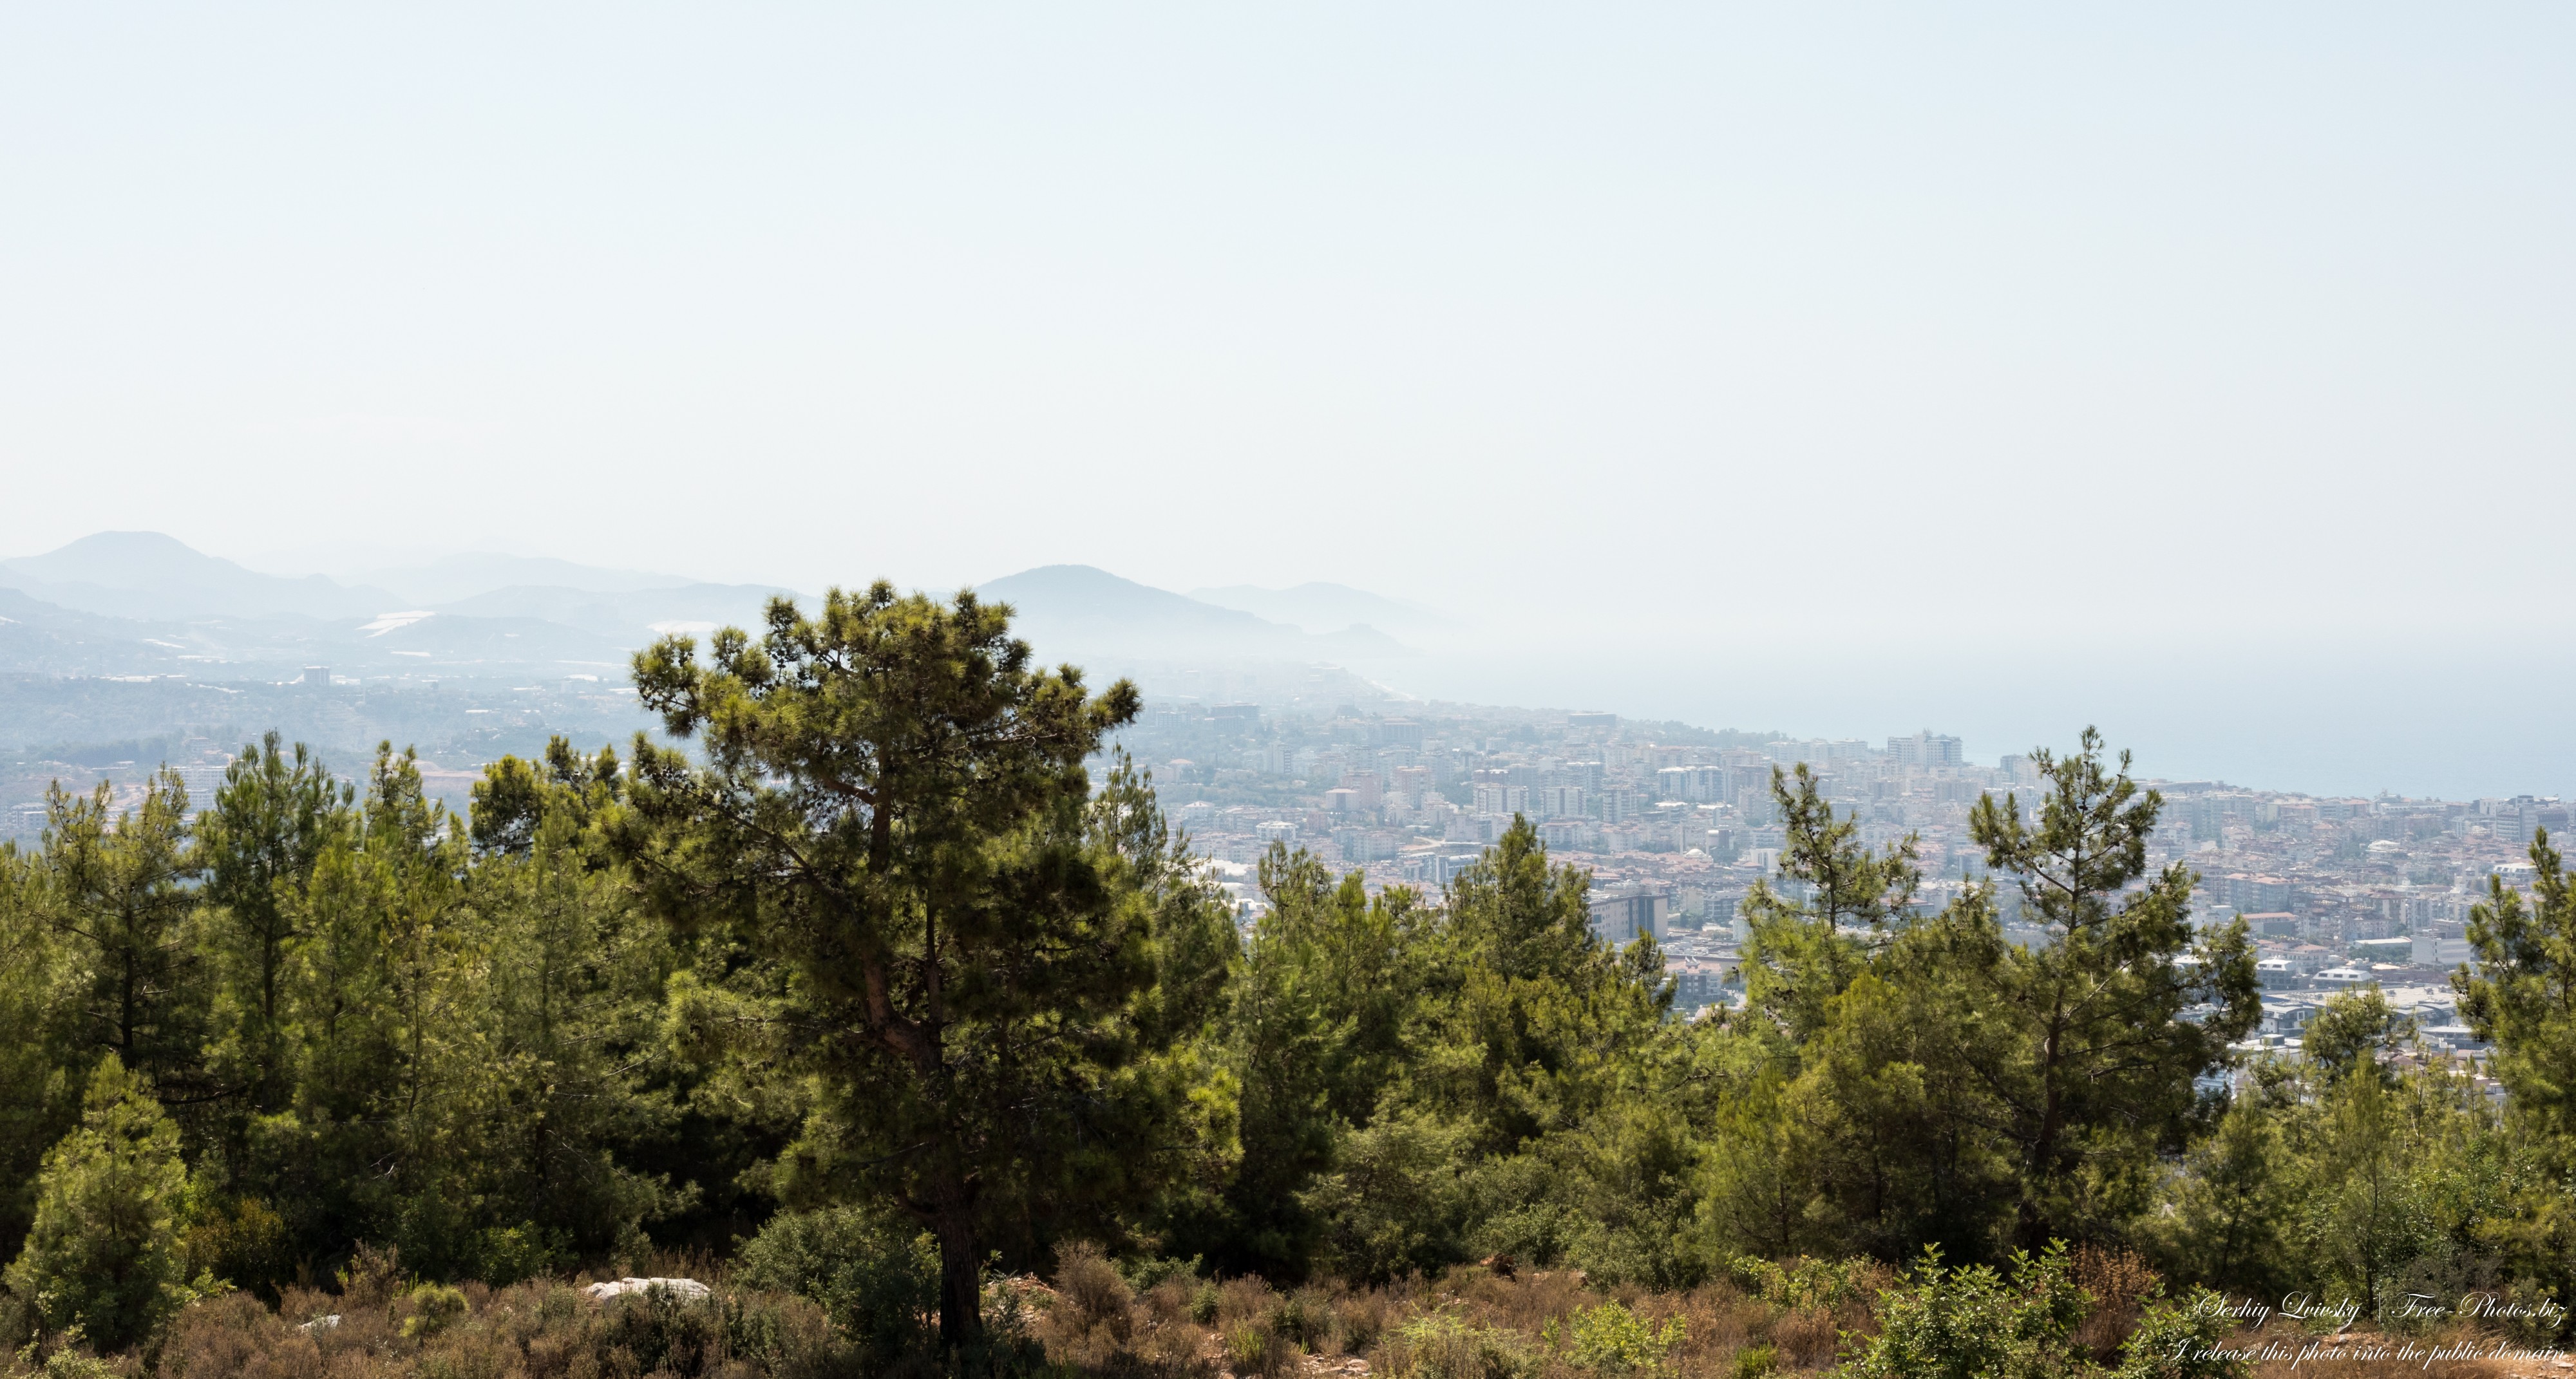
(1816,931)
(41,1049)
(117,890)
(1445,1345)
(103,1254)
(1971,1323)
(1394,1202)
(1802,1282)
(2190,1341)
(433,1307)
(1611,1340)
(877,1277)
(2087,1041)
(2356,1028)
(2231,1205)
(892,809)
(1314,1036)
(256,843)
(2522,993)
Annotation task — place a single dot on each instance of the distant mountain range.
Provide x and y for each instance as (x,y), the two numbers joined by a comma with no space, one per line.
(141,574)
(1095,615)
(455,578)
(127,603)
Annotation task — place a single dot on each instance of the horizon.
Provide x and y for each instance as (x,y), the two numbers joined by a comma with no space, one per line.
(1477,670)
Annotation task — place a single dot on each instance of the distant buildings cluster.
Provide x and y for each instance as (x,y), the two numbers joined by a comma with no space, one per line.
(1676,824)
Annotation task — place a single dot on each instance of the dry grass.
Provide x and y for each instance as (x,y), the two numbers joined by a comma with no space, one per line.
(2121,1283)
(1093,1322)
(531,1331)
(1472,1323)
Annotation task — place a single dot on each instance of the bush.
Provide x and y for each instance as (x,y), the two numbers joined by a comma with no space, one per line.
(1145,1275)
(1252,1348)
(1611,1340)
(1808,1282)
(1969,1324)
(104,1253)
(1092,1294)
(1359,1319)
(2186,1342)
(514,1254)
(1395,1201)
(242,1240)
(432,1306)
(876,1276)
(1445,1345)
(534,1331)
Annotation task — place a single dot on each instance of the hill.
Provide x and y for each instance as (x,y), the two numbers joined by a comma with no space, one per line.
(138,574)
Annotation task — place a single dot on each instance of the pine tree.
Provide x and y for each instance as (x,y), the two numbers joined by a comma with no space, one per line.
(2091,1042)
(257,846)
(118,886)
(1831,911)
(892,807)
(103,1254)
(43,1043)
(2522,993)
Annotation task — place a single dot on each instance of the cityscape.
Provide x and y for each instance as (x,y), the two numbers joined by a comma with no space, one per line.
(1676,824)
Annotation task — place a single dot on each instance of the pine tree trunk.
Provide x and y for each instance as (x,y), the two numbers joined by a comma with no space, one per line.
(961,1291)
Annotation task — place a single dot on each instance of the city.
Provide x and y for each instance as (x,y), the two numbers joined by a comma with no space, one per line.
(1675,825)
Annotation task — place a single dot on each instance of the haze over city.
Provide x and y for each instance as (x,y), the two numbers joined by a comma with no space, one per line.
(2197,373)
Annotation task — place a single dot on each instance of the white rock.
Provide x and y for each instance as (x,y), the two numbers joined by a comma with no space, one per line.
(687,1288)
(321,1323)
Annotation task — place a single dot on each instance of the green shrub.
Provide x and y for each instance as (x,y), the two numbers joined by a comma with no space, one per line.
(874,1274)
(1970,1324)
(72,1364)
(665,1331)
(104,1253)
(433,1307)
(1395,1201)
(2186,1342)
(242,1239)
(1145,1275)
(1804,1282)
(1755,1361)
(1304,1318)
(1610,1339)
(513,1254)
(1444,1345)
(1252,1348)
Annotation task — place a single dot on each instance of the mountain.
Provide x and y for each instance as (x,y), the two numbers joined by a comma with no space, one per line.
(634,615)
(141,574)
(1077,612)
(1323,607)
(140,603)
(472,574)
(40,638)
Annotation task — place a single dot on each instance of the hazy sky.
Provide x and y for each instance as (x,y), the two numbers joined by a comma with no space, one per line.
(2211,331)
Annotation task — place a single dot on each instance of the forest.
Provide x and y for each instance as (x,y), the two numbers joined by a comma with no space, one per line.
(865,1002)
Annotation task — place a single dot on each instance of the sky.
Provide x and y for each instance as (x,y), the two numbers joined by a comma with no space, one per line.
(2206,368)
